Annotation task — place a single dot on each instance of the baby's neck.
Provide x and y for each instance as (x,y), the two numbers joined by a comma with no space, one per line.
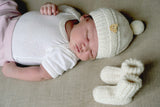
(69,25)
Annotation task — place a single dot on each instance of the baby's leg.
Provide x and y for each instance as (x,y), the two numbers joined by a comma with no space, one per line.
(8,18)
(8,10)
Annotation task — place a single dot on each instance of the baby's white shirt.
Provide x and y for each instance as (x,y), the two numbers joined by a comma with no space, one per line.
(41,39)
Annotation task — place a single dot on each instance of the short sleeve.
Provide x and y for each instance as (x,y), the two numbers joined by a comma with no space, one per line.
(68,9)
(59,60)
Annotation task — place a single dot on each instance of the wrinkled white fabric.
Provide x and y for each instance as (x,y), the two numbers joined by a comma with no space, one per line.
(41,39)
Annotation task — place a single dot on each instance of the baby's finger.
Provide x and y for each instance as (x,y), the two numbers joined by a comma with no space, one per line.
(41,10)
(45,9)
(54,9)
(57,12)
(49,10)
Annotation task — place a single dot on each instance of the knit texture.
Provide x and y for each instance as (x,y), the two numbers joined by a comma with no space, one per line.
(113,30)
(132,66)
(128,86)
(118,95)
(112,75)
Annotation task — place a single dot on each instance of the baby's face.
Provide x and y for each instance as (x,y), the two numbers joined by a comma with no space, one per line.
(84,40)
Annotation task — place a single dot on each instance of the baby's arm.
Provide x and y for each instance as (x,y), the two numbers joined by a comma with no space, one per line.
(33,73)
(53,9)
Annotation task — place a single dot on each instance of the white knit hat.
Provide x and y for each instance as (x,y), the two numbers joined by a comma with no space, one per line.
(113,30)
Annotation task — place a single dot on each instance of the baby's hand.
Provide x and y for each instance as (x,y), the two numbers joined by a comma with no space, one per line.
(49,9)
(9,68)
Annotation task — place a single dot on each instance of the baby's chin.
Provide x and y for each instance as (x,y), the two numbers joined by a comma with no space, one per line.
(87,59)
(82,57)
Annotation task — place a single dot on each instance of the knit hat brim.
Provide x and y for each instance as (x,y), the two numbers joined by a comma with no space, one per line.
(103,18)
(113,30)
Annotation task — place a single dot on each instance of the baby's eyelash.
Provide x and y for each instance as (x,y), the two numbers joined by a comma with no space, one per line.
(87,35)
(87,38)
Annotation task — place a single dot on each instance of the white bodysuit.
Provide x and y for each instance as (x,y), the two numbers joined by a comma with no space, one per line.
(41,39)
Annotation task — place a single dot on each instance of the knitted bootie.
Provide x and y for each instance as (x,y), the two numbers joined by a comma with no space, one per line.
(111,75)
(120,94)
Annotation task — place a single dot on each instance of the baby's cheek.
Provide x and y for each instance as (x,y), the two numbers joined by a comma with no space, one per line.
(83,56)
(71,47)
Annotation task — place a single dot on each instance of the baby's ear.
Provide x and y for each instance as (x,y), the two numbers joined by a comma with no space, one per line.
(84,16)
